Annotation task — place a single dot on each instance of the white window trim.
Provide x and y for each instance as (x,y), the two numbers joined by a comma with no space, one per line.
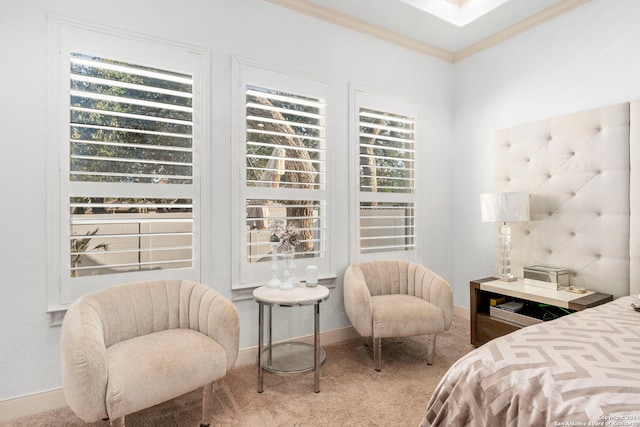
(246,71)
(59,296)
(382,101)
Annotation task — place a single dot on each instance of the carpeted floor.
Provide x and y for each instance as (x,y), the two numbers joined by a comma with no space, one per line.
(352,393)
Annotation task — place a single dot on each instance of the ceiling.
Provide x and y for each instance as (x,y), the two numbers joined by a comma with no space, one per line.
(447,29)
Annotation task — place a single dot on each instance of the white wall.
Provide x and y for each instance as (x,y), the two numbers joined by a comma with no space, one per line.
(254,29)
(584,59)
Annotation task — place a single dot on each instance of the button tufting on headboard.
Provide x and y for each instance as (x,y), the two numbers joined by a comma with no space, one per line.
(578,176)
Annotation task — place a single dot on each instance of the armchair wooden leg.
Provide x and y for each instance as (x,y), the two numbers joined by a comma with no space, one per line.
(377,350)
(118,422)
(431,348)
(207,404)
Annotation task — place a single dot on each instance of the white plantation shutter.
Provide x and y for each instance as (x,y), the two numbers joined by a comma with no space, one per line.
(258,238)
(121,131)
(130,126)
(386,205)
(387,153)
(386,227)
(284,171)
(129,181)
(299,118)
(130,237)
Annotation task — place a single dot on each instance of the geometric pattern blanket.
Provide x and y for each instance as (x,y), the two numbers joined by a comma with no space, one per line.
(580,369)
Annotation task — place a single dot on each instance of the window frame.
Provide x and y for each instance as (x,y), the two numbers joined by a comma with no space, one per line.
(66,36)
(382,101)
(247,72)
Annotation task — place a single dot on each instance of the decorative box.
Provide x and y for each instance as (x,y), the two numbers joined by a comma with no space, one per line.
(546,277)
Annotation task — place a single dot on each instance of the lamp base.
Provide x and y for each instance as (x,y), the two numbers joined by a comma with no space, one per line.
(504,271)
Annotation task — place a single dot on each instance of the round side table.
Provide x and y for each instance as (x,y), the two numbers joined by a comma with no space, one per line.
(291,356)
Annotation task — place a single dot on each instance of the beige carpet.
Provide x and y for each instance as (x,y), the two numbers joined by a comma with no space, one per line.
(352,393)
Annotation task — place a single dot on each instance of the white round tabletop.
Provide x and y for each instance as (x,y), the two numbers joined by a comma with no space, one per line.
(300,295)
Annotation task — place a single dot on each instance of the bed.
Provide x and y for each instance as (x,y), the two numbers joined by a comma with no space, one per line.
(578,369)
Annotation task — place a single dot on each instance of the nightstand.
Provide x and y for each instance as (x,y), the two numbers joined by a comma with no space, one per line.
(485,327)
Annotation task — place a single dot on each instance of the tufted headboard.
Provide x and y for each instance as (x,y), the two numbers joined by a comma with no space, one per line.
(634,199)
(584,180)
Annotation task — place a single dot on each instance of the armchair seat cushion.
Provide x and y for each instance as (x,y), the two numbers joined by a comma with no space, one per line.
(404,316)
(144,371)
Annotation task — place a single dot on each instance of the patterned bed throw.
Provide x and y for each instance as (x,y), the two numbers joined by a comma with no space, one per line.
(579,369)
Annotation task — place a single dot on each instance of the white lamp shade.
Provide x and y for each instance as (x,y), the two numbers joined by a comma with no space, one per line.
(504,207)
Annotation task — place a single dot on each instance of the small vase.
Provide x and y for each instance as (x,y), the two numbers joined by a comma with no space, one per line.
(293,268)
(287,284)
(274,282)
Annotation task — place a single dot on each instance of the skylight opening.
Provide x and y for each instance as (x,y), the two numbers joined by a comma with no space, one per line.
(458,3)
(456,12)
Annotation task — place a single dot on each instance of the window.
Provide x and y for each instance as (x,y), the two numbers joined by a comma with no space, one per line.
(282,159)
(384,135)
(128,207)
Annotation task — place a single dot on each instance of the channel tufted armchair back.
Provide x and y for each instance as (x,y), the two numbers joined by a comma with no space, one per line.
(146,307)
(401,277)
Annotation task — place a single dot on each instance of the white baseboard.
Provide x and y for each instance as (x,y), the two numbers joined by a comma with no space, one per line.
(54,399)
(31,404)
(463,312)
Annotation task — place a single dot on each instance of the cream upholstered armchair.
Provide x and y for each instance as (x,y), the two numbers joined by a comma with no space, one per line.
(132,346)
(389,298)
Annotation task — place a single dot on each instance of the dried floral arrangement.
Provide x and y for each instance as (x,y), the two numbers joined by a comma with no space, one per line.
(287,235)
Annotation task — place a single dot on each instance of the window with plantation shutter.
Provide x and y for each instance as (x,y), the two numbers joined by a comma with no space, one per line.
(385,136)
(129,125)
(129,198)
(284,172)
(285,140)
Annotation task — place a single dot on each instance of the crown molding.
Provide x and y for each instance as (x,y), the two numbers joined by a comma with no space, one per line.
(311,9)
(346,21)
(521,27)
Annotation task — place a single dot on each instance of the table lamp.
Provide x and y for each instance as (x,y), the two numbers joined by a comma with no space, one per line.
(505,208)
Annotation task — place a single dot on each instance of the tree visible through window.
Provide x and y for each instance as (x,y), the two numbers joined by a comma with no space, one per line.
(131,129)
(386,181)
(284,150)
(280,151)
(126,160)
